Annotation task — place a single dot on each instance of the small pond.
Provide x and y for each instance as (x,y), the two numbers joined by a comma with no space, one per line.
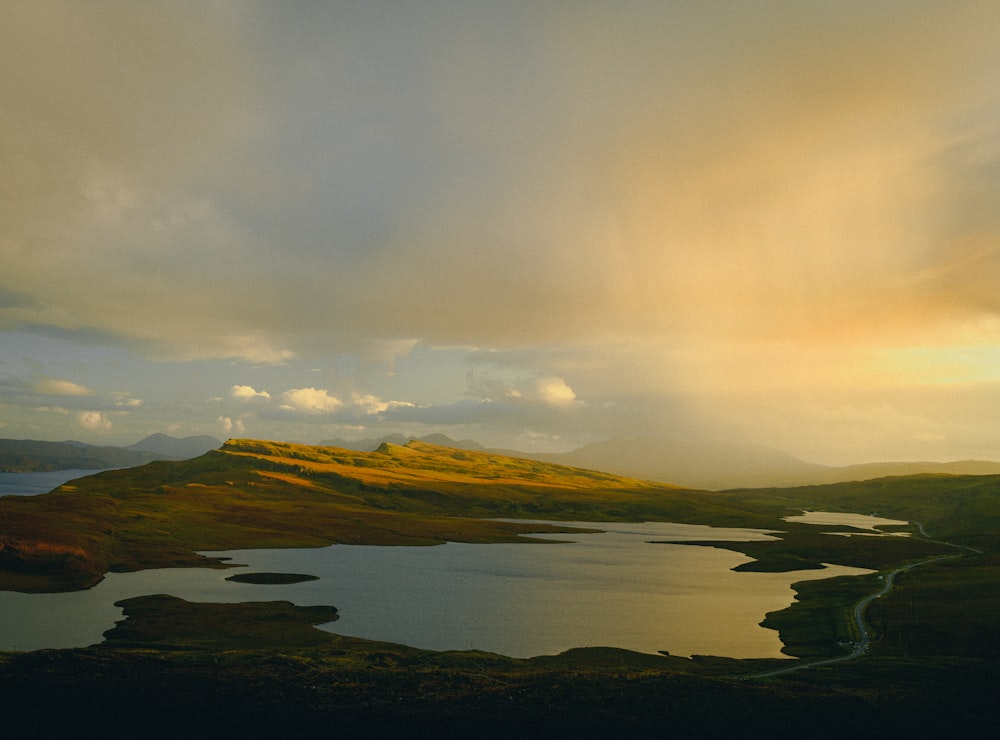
(831,518)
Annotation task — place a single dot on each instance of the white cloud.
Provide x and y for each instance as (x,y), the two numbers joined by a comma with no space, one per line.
(59,387)
(549,390)
(254,348)
(310,401)
(373,405)
(52,410)
(126,400)
(554,391)
(246,392)
(228,425)
(368,403)
(94,420)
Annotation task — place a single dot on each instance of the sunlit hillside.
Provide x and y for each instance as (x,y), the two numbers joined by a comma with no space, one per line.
(420,463)
(269,494)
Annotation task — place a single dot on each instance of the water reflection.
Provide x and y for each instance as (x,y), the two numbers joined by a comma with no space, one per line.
(610,589)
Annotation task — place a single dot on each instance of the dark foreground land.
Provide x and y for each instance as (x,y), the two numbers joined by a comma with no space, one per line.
(177,669)
(386,691)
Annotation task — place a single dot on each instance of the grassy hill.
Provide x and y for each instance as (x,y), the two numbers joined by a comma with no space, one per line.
(267,494)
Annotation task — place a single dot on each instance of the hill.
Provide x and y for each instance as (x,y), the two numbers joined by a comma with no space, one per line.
(33,456)
(372,443)
(269,494)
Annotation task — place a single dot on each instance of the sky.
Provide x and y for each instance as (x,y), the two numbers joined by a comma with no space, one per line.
(532,224)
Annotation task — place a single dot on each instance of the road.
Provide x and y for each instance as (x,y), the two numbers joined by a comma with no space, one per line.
(863,642)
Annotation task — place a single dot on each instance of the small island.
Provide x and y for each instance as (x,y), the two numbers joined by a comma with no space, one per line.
(272,579)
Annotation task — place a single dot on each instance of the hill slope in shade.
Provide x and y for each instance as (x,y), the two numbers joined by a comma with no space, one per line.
(32,456)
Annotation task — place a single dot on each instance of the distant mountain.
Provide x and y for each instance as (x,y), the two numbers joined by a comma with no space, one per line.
(718,465)
(868,471)
(685,462)
(372,444)
(174,448)
(34,456)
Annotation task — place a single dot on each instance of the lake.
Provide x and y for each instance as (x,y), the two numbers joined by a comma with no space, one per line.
(859,521)
(615,588)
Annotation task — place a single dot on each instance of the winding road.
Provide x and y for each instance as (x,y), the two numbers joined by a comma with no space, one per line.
(861,645)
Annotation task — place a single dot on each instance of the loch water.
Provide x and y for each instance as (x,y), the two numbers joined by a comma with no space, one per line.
(633,586)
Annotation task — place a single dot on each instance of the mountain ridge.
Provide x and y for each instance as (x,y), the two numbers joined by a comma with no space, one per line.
(39,456)
(178,448)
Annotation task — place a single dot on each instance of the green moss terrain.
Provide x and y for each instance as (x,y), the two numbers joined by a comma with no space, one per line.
(263,670)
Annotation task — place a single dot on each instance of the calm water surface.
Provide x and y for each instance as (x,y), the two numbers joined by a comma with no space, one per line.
(858,521)
(610,589)
(32,484)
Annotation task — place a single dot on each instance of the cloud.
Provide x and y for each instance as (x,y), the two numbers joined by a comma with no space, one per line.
(52,410)
(125,400)
(554,391)
(94,420)
(227,425)
(317,402)
(310,401)
(371,405)
(546,390)
(618,173)
(674,214)
(544,405)
(247,393)
(58,387)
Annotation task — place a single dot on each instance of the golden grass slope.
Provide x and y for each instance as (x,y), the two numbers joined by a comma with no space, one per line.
(422,464)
